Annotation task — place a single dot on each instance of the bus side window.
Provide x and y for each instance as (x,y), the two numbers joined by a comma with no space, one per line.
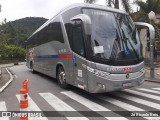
(78,38)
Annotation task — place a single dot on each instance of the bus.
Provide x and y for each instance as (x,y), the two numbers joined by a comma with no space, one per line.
(93,47)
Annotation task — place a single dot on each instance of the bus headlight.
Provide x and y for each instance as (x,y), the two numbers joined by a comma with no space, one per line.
(90,69)
(98,72)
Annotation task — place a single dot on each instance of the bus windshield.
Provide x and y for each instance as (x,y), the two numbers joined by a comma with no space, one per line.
(114,36)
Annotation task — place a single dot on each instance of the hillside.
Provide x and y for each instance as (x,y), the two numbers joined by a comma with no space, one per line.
(16,32)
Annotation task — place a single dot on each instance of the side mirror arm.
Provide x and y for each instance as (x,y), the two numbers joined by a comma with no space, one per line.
(86,22)
(151,37)
(151,30)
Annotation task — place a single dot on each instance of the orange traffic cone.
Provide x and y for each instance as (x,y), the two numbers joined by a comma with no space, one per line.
(24,99)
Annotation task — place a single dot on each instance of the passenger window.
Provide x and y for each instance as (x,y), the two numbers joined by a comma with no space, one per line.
(51,32)
(78,39)
(54,32)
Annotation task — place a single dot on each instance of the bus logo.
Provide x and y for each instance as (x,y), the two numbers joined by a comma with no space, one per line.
(127,69)
(127,76)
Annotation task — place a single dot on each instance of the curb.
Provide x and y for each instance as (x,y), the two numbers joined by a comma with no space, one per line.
(6,66)
(11,79)
(11,64)
(157,81)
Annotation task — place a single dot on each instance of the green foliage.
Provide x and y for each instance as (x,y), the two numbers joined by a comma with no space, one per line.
(13,36)
(11,52)
(142,15)
(16,32)
(90,1)
(145,8)
(149,5)
(126,5)
(116,3)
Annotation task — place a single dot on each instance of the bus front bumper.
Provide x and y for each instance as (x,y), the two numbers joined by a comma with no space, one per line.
(98,84)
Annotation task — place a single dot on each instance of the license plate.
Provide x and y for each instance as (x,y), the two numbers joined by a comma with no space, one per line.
(127,85)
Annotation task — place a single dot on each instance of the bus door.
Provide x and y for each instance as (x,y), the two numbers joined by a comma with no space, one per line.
(79,56)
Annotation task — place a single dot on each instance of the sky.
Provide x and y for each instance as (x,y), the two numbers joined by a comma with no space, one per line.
(17,9)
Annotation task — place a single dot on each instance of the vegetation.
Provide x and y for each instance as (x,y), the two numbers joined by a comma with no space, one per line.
(116,4)
(142,15)
(90,1)
(13,36)
(16,32)
(10,53)
(147,7)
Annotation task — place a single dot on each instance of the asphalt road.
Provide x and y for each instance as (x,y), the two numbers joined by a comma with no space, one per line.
(48,96)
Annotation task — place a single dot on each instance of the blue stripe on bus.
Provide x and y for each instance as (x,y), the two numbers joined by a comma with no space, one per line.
(48,56)
(56,56)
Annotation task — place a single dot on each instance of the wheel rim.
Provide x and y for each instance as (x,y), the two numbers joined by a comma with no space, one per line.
(61,76)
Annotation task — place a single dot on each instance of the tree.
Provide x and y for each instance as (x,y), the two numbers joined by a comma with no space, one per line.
(126,6)
(16,32)
(116,4)
(145,8)
(11,52)
(90,1)
(5,20)
(149,5)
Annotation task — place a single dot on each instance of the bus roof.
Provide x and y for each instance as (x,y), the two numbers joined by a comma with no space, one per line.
(83,5)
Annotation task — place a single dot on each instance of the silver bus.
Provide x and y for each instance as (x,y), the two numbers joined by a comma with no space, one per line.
(93,47)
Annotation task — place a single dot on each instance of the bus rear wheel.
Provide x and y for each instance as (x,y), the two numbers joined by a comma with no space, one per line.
(61,76)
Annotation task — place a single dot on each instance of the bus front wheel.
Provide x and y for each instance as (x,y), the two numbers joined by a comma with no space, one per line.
(61,78)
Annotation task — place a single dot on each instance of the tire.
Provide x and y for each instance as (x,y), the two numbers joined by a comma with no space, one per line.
(61,78)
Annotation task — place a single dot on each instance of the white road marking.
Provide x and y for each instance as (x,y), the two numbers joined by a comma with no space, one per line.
(7,83)
(148,90)
(156,88)
(32,107)
(125,106)
(3,108)
(121,104)
(138,100)
(91,105)
(59,105)
(143,94)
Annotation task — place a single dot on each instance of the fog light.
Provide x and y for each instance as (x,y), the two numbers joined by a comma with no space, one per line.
(101,85)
